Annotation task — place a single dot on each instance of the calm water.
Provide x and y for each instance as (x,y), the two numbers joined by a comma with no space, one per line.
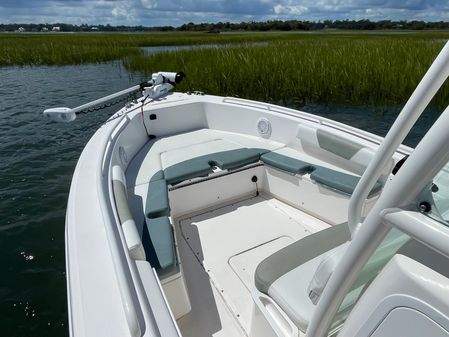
(37,159)
(158,49)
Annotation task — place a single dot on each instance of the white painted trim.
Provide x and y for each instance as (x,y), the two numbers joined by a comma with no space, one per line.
(420,227)
(278,320)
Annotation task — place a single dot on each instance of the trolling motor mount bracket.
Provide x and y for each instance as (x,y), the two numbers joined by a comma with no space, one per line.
(159,85)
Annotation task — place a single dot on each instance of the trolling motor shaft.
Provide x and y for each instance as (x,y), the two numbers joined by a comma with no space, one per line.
(160,84)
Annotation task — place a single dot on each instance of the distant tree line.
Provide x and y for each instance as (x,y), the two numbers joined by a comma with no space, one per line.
(313,25)
(274,25)
(65,27)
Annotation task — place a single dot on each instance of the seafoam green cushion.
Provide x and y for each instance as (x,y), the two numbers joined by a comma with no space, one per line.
(157,204)
(297,253)
(202,165)
(228,160)
(286,163)
(339,181)
(188,169)
(157,176)
(338,145)
(158,242)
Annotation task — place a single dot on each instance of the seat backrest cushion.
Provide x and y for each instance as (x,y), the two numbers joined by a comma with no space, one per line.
(129,228)
(297,253)
(133,241)
(324,272)
(322,142)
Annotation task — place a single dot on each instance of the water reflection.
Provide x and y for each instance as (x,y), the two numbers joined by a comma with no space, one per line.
(162,49)
(37,159)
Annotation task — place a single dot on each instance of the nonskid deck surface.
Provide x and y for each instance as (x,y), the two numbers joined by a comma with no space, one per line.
(220,250)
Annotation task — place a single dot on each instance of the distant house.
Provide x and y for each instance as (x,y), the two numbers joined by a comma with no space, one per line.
(21,29)
(44,29)
(56,29)
(94,29)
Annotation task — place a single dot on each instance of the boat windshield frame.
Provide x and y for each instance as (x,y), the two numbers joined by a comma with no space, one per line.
(398,205)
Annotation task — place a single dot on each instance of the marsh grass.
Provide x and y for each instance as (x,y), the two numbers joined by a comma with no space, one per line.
(62,49)
(372,71)
(375,68)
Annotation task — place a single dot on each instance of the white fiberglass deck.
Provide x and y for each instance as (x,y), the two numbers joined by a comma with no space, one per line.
(220,250)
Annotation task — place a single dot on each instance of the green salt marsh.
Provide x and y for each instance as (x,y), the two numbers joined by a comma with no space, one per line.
(375,67)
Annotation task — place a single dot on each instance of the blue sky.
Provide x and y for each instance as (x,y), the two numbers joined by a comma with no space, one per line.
(177,12)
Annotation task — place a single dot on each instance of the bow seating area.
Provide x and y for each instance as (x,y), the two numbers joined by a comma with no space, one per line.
(320,164)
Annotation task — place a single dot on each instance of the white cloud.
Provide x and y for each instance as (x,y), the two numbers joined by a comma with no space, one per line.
(289,9)
(177,12)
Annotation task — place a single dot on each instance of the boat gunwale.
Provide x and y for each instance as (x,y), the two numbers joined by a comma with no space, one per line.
(128,285)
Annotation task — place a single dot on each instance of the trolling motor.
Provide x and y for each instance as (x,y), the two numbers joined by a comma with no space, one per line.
(160,84)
